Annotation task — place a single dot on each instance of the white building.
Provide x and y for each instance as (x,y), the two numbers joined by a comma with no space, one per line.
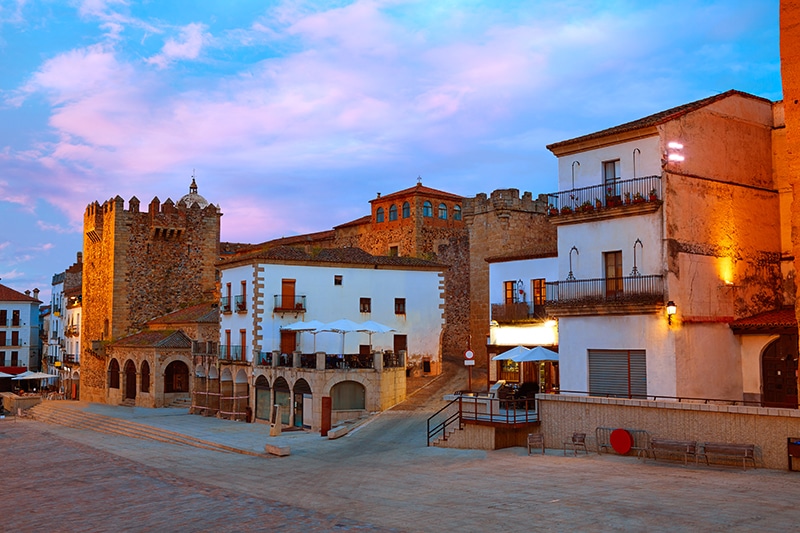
(681,207)
(266,290)
(19,327)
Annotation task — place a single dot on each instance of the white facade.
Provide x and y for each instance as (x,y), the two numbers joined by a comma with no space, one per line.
(19,328)
(327,301)
(56,343)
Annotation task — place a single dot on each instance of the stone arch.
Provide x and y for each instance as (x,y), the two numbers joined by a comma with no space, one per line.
(113,373)
(303,406)
(199,371)
(176,377)
(73,385)
(262,397)
(145,377)
(779,363)
(348,395)
(241,396)
(129,385)
(282,396)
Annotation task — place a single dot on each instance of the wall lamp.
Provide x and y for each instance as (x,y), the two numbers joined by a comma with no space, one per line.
(671,310)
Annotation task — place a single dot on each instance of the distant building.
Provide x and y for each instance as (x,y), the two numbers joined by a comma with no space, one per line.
(19,328)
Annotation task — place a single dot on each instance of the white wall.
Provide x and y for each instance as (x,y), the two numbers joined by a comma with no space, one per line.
(590,171)
(632,332)
(524,269)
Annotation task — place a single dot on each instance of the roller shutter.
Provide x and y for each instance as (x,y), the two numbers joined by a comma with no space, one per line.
(618,373)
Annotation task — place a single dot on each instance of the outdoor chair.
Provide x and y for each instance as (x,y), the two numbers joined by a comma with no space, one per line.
(535,440)
(578,440)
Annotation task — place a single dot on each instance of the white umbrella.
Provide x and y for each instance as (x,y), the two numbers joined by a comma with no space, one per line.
(511,354)
(538,353)
(312,326)
(34,375)
(370,327)
(342,326)
(4,375)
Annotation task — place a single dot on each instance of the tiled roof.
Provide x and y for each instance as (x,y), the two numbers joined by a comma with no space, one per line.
(7,294)
(156,339)
(519,255)
(655,119)
(420,190)
(205,312)
(366,219)
(350,255)
(777,319)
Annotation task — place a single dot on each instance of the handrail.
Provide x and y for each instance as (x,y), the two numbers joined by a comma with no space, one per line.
(656,397)
(442,426)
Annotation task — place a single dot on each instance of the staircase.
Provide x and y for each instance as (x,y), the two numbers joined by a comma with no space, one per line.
(60,413)
(181,403)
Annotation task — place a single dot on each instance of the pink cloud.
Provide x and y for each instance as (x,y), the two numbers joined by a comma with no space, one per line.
(191,42)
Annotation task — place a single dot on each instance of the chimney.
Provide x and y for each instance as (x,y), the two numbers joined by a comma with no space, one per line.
(27,293)
(80,257)
(36,293)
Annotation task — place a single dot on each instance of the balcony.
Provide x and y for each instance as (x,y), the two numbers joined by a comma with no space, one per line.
(518,312)
(240,302)
(634,294)
(71,331)
(624,197)
(285,303)
(201,348)
(225,304)
(231,353)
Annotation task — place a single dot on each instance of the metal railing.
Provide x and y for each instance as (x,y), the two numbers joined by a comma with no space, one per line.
(442,420)
(264,358)
(618,193)
(225,304)
(285,302)
(517,312)
(480,409)
(231,353)
(657,397)
(631,289)
(240,302)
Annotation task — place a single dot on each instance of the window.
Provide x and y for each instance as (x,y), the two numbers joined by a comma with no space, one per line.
(226,300)
(406,210)
(394,251)
(613,267)
(15,338)
(243,344)
(538,296)
(365,305)
(113,374)
(379,215)
(427,209)
(15,361)
(399,306)
(3,339)
(227,346)
(3,317)
(611,177)
(456,212)
(443,211)
(241,300)
(2,358)
(510,292)
(337,280)
(393,212)
(15,318)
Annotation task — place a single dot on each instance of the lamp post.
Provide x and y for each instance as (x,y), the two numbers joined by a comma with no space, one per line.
(570,277)
(573,171)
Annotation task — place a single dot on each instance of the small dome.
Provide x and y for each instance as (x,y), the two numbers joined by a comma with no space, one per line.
(193,198)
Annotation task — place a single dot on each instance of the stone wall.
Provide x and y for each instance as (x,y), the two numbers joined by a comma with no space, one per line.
(767,428)
(500,223)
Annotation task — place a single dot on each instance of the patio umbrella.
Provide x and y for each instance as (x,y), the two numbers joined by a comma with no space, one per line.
(538,353)
(343,326)
(312,326)
(4,375)
(34,375)
(370,327)
(511,354)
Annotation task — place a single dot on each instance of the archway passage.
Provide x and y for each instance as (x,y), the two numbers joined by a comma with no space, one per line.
(262,398)
(302,403)
(348,395)
(176,377)
(130,380)
(283,398)
(113,374)
(779,373)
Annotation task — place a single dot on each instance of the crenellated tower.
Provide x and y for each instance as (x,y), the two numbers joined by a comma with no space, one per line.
(138,265)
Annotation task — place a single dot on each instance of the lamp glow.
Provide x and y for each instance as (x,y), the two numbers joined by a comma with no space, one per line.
(671,310)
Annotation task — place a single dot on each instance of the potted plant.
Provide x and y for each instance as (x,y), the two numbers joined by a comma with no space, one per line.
(638,198)
(566,210)
(598,204)
(653,195)
(553,211)
(627,198)
(587,206)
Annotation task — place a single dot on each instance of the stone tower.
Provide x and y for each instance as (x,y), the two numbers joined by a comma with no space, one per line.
(139,265)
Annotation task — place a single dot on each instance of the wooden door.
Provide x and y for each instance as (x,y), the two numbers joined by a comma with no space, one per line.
(287,293)
(613,266)
(779,373)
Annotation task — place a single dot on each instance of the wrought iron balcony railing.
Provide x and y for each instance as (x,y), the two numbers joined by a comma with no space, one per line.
(287,302)
(623,290)
(517,312)
(240,303)
(604,196)
(231,353)
(225,304)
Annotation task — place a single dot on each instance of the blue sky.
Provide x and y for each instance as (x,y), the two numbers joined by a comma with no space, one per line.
(293,115)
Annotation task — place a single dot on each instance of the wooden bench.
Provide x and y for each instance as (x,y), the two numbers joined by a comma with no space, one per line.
(727,450)
(535,440)
(685,448)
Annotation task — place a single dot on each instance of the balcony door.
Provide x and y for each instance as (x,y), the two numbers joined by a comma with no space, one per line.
(613,274)
(611,177)
(287,293)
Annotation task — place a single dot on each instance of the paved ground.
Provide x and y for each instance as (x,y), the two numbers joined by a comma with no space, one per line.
(382,477)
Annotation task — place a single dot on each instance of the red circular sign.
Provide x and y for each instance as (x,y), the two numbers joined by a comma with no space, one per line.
(469,354)
(621,441)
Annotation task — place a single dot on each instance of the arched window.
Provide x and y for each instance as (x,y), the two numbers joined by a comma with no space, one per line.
(443,211)
(145,386)
(393,212)
(176,377)
(406,210)
(427,209)
(456,212)
(379,215)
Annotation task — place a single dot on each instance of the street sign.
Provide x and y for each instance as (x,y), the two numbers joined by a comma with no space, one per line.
(469,362)
(469,354)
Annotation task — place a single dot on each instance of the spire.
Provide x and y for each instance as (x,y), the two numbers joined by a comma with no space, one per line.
(193,186)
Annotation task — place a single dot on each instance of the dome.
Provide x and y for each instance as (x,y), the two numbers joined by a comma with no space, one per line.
(193,198)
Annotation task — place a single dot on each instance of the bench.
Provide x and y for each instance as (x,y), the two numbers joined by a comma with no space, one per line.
(535,440)
(685,448)
(726,450)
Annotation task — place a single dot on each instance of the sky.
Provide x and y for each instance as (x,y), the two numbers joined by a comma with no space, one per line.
(292,115)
